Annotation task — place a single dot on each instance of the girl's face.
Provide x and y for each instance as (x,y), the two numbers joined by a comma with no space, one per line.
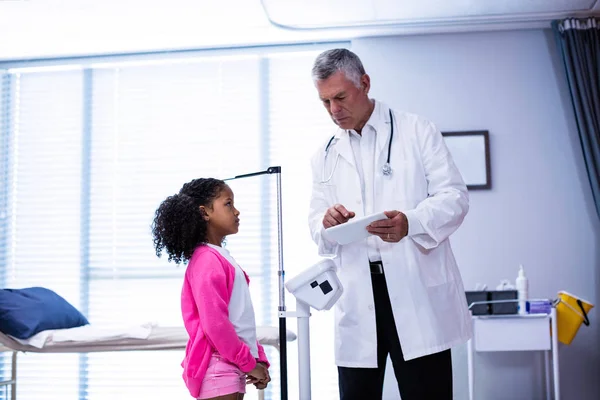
(223,217)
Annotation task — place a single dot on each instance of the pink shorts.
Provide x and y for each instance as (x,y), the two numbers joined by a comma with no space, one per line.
(222,378)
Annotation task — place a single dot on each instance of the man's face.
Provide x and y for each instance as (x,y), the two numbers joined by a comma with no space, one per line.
(347,104)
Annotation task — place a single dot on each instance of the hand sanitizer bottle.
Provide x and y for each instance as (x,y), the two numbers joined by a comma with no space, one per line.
(522,290)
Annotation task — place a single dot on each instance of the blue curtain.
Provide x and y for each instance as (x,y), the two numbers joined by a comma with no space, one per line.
(578,43)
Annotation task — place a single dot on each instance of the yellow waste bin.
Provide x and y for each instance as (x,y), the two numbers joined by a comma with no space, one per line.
(571,311)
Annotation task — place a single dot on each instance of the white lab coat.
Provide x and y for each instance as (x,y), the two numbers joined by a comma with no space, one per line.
(424,283)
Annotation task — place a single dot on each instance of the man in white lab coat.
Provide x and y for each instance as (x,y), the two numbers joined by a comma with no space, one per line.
(403,294)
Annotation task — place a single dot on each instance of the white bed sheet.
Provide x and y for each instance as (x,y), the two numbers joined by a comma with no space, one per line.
(88,334)
(159,338)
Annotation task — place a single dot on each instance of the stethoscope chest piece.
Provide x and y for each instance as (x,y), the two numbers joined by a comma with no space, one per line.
(387,169)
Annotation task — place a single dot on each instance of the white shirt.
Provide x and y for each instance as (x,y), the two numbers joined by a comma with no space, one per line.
(241,311)
(363,147)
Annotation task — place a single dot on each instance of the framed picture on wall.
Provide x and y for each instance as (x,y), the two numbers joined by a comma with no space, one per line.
(471,153)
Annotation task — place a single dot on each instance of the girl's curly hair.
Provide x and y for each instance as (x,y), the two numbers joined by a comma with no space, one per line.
(179,226)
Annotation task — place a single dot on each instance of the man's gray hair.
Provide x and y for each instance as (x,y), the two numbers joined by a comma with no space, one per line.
(331,61)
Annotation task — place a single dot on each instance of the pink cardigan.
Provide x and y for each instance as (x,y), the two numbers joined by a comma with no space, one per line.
(205,298)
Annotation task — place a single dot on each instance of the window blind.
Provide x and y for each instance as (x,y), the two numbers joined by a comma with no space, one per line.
(5,153)
(155,127)
(5,101)
(44,206)
(299,124)
(89,152)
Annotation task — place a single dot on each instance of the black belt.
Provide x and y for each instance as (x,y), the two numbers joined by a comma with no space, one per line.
(376,267)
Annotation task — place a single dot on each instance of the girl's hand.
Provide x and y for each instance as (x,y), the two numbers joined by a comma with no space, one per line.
(261,385)
(258,374)
(253,378)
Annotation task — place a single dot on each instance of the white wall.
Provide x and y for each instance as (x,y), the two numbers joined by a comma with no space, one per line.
(540,210)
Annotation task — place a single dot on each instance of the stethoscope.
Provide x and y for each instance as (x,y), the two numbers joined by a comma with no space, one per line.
(386,169)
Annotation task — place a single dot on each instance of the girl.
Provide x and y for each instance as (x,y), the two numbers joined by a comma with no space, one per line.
(222,354)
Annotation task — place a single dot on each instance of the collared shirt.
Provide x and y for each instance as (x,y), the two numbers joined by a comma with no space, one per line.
(363,147)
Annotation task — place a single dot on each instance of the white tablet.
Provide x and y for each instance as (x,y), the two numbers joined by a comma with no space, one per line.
(353,230)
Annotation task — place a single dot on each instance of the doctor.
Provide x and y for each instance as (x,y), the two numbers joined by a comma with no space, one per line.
(403,293)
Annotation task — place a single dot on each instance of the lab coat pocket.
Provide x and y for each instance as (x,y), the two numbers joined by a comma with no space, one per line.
(446,315)
(433,266)
(345,317)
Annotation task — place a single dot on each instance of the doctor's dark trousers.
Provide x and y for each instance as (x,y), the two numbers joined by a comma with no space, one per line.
(423,378)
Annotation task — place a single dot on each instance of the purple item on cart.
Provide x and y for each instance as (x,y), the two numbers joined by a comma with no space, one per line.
(540,307)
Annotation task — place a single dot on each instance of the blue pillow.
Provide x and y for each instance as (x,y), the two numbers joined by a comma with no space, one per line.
(25,312)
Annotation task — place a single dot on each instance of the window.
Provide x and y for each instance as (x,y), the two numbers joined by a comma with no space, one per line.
(44,207)
(299,124)
(89,151)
